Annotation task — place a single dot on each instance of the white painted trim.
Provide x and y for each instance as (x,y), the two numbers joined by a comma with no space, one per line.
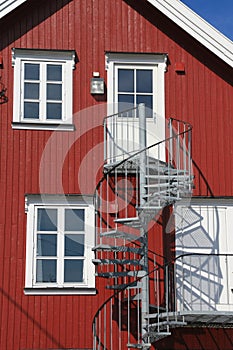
(43,126)
(60,202)
(197,27)
(43,57)
(7,6)
(60,291)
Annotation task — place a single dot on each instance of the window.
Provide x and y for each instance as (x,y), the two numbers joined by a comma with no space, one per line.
(60,238)
(134,85)
(43,89)
(204,246)
(137,78)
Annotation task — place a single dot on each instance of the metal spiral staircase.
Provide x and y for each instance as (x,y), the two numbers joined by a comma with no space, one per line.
(138,182)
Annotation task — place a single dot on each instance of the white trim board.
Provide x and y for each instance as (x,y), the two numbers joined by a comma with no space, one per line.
(6,6)
(197,27)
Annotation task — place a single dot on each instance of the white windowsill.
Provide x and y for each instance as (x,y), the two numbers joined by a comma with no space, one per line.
(43,126)
(60,291)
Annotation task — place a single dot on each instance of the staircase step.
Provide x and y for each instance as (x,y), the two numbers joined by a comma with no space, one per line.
(163,324)
(118,249)
(119,234)
(157,335)
(132,222)
(139,346)
(113,274)
(132,285)
(168,185)
(116,262)
(169,176)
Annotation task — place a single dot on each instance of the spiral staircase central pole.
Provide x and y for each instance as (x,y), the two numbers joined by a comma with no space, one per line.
(144,233)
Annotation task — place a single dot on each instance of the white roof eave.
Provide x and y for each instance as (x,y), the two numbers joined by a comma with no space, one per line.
(197,27)
(6,6)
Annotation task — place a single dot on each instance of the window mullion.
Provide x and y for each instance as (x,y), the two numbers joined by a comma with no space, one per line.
(60,248)
(43,89)
(135,87)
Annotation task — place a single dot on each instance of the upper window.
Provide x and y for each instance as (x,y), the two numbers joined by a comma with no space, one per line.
(135,78)
(60,237)
(43,89)
(135,85)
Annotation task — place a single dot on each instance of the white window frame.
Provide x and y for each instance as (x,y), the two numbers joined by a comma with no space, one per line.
(32,204)
(157,62)
(207,220)
(43,57)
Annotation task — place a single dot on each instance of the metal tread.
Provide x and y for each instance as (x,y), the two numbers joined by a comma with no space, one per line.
(134,262)
(118,248)
(119,234)
(139,346)
(139,273)
(132,222)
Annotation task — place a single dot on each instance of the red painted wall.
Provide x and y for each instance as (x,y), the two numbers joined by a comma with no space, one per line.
(201,96)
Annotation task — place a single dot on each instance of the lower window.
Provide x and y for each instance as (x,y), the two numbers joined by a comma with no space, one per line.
(60,237)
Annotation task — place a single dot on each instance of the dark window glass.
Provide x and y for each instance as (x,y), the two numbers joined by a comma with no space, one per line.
(47,220)
(148,100)
(74,245)
(46,245)
(31,110)
(54,72)
(31,91)
(74,219)
(54,92)
(144,81)
(54,110)
(31,71)
(73,270)
(125,102)
(125,80)
(46,270)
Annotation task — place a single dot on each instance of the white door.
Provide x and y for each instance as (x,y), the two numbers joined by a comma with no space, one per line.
(132,80)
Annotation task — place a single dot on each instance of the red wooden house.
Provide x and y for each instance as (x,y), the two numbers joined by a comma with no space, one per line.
(116,177)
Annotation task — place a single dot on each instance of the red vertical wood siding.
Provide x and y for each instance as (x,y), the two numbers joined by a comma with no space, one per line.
(201,96)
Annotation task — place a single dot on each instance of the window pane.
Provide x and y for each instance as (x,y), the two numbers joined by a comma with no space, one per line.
(31,91)
(148,100)
(125,102)
(46,270)
(54,91)
(46,245)
(54,110)
(74,219)
(31,110)
(125,80)
(144,80)
(47,220)
(74,245)
(73,270)
(31,71)
(54,72)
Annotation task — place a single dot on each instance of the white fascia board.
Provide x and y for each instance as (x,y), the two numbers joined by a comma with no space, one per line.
(197,27)
(6,6)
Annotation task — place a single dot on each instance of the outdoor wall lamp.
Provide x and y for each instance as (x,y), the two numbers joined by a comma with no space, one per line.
(97,84)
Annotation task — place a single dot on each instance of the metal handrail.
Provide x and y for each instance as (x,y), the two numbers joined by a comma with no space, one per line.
(113,170)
